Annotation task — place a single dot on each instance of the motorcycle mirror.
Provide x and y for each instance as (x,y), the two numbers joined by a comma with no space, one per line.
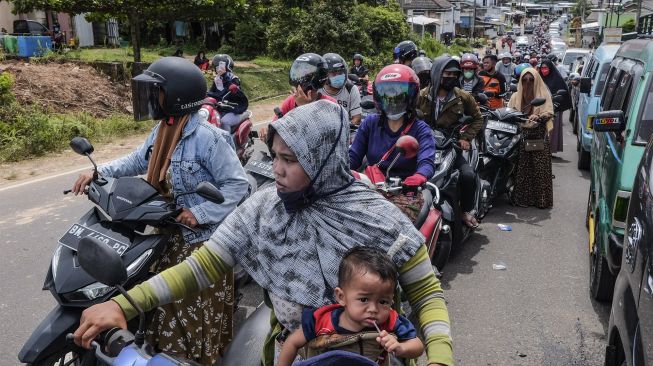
(368,104)
(538,102)
(481,98)
(353,77)
(210,192)
(407,146)
(513,88)
(81,146)
(101,262)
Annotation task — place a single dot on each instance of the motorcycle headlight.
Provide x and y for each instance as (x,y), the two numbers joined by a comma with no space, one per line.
(55,261)
(90,292)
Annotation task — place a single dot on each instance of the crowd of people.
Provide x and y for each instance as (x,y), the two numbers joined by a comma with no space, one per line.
(328,251)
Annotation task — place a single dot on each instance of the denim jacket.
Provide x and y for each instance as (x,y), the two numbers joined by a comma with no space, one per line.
(204,153)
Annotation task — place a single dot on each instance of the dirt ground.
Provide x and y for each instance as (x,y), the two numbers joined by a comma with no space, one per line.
(68,87)
(67,160)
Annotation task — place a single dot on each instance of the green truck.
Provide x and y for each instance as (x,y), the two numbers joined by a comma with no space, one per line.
(621,132)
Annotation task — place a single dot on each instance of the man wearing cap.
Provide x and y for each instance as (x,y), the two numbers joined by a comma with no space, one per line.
(495,82)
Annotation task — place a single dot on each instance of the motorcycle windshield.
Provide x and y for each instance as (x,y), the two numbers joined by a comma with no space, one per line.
(147,96)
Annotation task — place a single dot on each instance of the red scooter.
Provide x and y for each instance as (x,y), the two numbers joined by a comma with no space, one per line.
(241,133)
(429,219)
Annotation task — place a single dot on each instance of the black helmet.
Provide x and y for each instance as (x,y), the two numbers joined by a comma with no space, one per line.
(182,83)
(405,51)
(335,63)
(552,57)
(358,57)
(308,70)
(422,66)
(228,61)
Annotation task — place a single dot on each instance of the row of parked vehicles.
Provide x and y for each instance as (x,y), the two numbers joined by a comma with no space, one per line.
(614,122)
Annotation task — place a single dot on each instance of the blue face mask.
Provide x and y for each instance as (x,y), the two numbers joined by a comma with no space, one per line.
(337,81)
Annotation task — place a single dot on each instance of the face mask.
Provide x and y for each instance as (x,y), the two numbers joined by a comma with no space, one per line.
(448,83)
(506,63)
(337,81)
(545,71)
(295,201)
(468,74)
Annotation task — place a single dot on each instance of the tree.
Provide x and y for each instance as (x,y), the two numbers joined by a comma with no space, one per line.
(136,12)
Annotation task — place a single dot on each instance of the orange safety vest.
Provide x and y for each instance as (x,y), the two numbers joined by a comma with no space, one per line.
(493,102)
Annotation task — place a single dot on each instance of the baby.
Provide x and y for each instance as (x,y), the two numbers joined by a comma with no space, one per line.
(367,279)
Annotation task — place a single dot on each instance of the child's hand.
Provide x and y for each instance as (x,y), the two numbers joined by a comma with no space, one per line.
(389,343)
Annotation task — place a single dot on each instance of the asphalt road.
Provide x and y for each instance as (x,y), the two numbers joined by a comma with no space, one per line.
(536,312)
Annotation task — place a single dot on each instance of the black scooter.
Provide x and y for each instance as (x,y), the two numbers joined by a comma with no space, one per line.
(454,232)
(125,211)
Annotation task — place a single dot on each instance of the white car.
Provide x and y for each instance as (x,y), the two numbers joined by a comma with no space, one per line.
(522,41)
(572,54)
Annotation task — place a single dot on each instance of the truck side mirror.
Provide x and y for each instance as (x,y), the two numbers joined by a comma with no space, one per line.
(609,121)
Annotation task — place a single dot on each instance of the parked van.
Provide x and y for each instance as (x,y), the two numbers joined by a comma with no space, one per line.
(621,131)
(595,72)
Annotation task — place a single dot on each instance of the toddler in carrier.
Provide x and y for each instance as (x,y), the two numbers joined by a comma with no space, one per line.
(363,320)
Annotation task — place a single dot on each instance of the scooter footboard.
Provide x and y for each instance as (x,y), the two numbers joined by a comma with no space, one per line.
(247,346)
(50,335)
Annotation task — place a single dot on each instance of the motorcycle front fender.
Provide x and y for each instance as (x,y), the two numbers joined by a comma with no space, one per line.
(50,335)
(246,348)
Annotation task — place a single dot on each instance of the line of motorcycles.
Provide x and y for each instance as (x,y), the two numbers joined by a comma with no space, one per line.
(126,210)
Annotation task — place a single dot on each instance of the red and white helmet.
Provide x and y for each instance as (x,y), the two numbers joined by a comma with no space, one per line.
(396,88)
(469,61)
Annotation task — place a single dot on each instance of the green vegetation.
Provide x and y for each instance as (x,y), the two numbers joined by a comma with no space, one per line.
(27,131)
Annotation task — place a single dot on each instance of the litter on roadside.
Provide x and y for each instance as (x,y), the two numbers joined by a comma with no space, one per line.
(504,227)
(499,266)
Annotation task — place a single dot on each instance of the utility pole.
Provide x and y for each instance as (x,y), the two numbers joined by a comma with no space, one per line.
(639,14)
(473,21)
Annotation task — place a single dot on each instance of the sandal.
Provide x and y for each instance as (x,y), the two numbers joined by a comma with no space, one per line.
(470,220)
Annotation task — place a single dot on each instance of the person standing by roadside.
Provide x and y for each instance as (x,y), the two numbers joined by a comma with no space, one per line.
(556,84)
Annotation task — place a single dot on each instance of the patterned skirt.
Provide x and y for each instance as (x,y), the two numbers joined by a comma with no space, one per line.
(199,326)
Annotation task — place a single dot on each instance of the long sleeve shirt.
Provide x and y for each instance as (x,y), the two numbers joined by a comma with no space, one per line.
(211,261)
(374,138)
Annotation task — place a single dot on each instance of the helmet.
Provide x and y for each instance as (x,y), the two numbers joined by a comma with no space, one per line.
(469,61)
(308,71)
(358,57)
(552,57)
(228,61)
(505,55)
(574,76)
(520,68)
(533,61)
(181,82)
(421,53)
(422,67)
(335,63)
(396,88)
(405,51)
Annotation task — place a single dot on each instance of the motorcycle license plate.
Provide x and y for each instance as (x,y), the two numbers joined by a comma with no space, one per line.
(76,232)
(502,126)
(263,168)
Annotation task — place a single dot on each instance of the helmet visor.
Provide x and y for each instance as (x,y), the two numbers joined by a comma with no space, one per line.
(147,96)
(392,98)
(301,74)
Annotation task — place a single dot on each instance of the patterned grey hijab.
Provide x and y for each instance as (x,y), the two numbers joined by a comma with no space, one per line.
(295,256)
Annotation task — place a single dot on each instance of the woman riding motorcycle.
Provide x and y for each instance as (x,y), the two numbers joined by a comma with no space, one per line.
(395,92)
(180,152)
(226,86)
(292,237)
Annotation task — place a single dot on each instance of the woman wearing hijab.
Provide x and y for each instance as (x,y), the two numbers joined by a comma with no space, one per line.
(533,176)
(292,239)
(555,82)
(180,152)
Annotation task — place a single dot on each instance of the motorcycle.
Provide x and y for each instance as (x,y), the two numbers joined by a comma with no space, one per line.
(126,209)
(454,231)
(429,219)
(502,138)
(241,133)
(118,346)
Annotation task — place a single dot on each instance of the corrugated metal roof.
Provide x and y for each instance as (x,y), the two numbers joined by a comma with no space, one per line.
(425,4)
